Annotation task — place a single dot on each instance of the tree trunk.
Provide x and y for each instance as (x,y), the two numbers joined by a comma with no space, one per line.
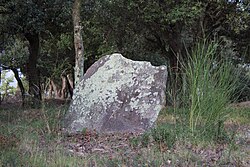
(78,42)
(20,83)
(176,46)
(70,84)
(0,82)
(1,53)
(32,71)
(50,90)
(61,92)
(64,92)
(56,90)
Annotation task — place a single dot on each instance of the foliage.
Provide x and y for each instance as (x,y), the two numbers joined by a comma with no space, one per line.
(142,28)
(243,87)
(6,86)
(15,53)
(36,16)
(35,21)
(57,50)
(156,31)
(210,83)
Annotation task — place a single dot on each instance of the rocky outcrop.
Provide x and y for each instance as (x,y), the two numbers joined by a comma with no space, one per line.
(117,94)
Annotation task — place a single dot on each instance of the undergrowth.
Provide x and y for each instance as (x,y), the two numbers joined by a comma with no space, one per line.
(26,141)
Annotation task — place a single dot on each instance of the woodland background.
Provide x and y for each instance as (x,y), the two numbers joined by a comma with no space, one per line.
(37,37)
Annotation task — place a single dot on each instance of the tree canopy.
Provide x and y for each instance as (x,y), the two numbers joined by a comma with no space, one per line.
(37,36)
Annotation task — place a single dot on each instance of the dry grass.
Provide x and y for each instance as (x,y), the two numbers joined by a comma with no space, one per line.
(25,141)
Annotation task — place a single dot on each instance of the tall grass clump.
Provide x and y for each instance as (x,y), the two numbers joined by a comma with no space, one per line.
(211,82)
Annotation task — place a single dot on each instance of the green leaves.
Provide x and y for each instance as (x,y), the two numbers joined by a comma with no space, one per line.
(6,87)
(36,16)
(16,53)
(56,56)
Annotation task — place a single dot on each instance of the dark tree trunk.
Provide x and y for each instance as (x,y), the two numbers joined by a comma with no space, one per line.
(18,79)
(32,71)
(176,46)
(170,37)
(20,83)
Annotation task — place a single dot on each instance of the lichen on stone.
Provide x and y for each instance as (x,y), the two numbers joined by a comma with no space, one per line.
(113,88)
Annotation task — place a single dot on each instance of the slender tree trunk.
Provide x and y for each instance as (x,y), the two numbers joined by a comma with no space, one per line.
(56,90)
(64,92)
(1,52)
(78,42)
(70,84)
(50,89)
(176,46)
(32,71)
(20,83)
(0,82)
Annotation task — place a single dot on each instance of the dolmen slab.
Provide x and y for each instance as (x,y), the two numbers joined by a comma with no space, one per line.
(117,94)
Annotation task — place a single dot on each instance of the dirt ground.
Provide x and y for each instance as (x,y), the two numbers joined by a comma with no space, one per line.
(245,104)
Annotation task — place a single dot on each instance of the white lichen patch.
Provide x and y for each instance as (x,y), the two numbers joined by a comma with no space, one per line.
(98,90)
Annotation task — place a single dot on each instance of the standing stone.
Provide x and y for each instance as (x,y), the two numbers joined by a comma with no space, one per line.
(117,94)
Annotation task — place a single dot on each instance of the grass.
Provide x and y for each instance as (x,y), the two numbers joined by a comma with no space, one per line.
(26,141)
(210,85)
(242,116)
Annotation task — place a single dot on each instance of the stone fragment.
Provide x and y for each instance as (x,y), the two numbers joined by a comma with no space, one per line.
(117,95)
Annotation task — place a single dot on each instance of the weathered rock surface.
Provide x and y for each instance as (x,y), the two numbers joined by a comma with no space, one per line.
(117,94)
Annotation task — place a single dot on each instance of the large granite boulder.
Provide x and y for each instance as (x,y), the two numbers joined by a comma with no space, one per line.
(117,94)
